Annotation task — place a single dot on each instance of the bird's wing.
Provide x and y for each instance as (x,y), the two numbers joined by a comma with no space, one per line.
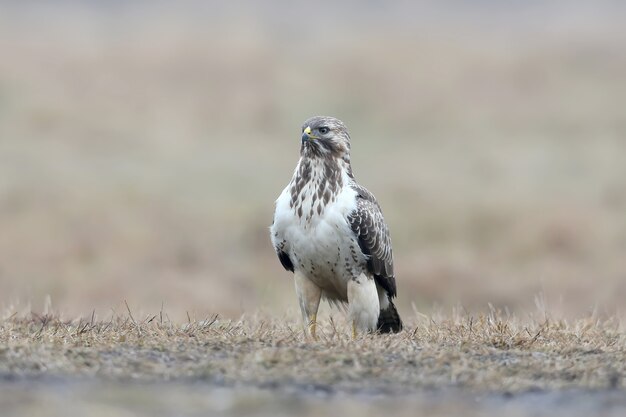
(369,226)
(279,246)
(284,260)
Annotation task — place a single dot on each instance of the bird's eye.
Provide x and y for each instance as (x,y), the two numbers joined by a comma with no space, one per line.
(323,130)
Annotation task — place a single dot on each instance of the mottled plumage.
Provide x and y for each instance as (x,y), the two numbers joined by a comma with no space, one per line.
(331,233)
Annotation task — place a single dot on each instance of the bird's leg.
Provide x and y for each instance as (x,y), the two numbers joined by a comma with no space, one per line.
(313,326)
(363,304)
(309,296)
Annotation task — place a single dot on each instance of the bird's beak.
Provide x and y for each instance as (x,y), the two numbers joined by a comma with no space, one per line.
(306,134)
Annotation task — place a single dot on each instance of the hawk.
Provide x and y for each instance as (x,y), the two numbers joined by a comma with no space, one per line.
(330,232)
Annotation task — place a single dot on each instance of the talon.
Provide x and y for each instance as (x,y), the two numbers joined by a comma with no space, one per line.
(354,334)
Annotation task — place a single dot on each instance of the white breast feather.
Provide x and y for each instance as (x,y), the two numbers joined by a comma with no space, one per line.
(323,241)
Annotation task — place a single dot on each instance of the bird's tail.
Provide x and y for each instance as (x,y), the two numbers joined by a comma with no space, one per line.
(389,320)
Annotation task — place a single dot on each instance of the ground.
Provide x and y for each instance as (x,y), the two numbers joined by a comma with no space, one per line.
(265,366)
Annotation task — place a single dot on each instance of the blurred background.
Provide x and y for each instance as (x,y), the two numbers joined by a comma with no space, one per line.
(142,146)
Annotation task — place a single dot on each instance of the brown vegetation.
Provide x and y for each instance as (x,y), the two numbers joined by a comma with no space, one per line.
(483,353)
(483,364)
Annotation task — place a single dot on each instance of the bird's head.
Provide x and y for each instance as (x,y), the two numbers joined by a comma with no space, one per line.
(325,136)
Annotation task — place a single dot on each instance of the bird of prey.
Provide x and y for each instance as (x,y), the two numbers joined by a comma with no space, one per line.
(330,232)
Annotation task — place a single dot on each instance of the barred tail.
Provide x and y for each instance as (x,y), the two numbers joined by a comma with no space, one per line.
(389,320)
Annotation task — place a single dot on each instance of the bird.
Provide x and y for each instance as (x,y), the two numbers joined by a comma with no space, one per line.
(330,232)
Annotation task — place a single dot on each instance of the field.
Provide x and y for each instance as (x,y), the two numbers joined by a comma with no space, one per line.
(142,147)
(257,366)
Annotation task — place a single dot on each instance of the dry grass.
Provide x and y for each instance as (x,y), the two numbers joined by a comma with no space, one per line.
(490,353)
(492,364)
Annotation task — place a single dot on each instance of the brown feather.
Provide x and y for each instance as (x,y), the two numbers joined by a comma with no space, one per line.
(368,224)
